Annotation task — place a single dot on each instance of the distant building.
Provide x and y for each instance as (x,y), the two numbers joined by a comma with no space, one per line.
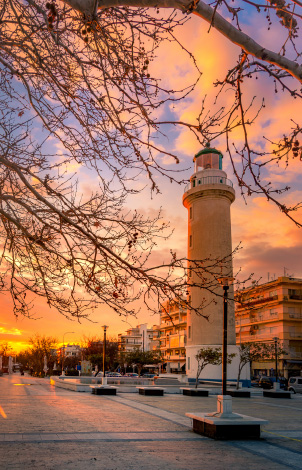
(69,350)
(272,310)
(170,336)
(139,337)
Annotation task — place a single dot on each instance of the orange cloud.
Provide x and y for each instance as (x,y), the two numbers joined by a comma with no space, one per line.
(10,331)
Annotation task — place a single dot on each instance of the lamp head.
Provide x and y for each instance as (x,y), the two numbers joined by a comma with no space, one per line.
(226,280)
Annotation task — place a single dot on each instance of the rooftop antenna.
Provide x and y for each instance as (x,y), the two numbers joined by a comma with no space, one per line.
(285,271)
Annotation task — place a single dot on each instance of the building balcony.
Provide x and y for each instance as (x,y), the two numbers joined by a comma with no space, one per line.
(246,338)
(253,301)
(257,320)
(295,297)
(295,316)
(166,325)
(294,335)
(176,358)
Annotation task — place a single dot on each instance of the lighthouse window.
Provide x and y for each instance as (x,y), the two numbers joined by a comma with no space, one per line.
(207,161)
(191,212)
(189,331)
(191,240)
(188,363)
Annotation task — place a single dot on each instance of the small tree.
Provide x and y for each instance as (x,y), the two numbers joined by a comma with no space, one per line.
(40,346)
(207,356)
(141,358)
(92,350)
(249,352)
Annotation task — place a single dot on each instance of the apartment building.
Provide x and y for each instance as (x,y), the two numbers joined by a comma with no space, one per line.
(139,337)
(69,350)
(272,310)
(170,336)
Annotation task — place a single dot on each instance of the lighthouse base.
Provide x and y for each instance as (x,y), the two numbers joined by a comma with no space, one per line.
(213,373)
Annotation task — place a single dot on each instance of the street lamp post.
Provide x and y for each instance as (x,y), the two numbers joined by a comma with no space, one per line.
(63,355)
(104,380)
(225,282)
(276,361)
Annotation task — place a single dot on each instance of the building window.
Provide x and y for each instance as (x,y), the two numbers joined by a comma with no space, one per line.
(191,212)
(189,363)
(189,331)
(190,241)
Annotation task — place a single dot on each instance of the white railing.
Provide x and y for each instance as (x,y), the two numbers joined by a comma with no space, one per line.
(208,180)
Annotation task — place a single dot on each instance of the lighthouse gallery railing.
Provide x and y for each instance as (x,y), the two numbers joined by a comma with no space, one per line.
(208,180)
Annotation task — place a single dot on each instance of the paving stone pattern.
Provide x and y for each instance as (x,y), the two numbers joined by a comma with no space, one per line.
(56,429)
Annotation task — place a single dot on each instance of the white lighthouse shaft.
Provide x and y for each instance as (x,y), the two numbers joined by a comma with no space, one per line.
(208,199)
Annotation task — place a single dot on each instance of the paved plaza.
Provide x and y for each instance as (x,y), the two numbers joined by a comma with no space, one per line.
(52,428)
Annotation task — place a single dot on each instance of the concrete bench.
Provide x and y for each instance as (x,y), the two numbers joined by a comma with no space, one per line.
(239,393)
(155,391)
(195,392)
(276,394)
(103,390)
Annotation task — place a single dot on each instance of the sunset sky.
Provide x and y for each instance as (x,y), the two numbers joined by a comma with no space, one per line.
(271,243)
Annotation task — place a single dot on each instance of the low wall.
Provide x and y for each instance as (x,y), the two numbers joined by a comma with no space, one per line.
(76,384)
(69,384)
(110,380)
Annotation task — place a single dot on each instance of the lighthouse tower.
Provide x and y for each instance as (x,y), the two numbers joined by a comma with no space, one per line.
(208,198)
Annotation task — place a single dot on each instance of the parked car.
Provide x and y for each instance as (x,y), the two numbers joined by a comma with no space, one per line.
(295,384)
(266,383)
(131,374)
(149,376)
(255,381)
(283,383)
(109,374)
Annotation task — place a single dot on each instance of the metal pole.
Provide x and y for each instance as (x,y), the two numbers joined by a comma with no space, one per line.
(224,339)
(63,353)
(276,359)
(104,351)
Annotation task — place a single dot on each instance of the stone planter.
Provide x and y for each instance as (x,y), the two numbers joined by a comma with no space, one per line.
(239,393)
(195,392)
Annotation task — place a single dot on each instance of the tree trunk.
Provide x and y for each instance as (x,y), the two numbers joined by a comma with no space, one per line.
(238,377)
(197,376)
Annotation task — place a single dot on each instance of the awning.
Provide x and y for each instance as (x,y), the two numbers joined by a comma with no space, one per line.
(174,365)
(292,361)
